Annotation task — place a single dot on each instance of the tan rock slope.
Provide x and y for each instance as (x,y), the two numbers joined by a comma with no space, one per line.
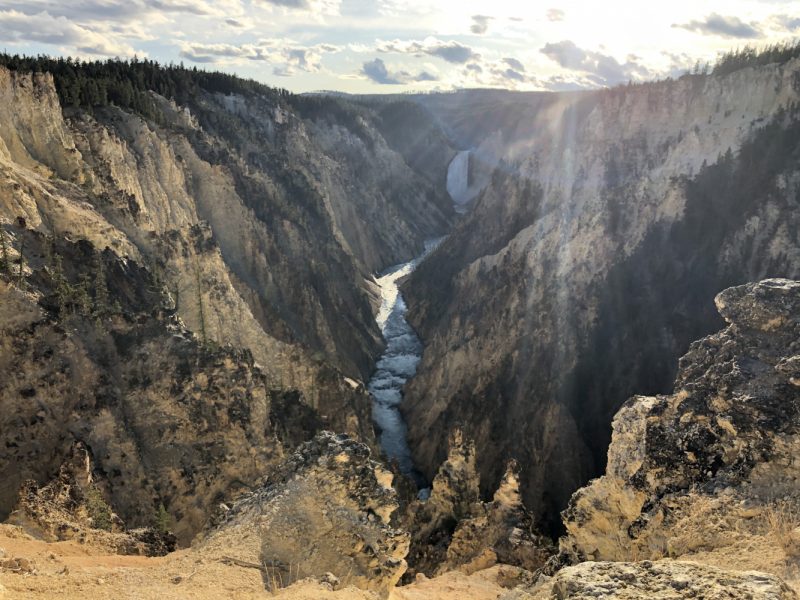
(455,530)
(71,507)
(661,580)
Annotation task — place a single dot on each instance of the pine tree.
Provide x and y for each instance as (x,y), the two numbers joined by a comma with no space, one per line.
(101,306)
(5,261)
(162,519)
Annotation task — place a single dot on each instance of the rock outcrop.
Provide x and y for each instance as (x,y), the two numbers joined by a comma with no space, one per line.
(589,263)
(326,509)
(685,469)
(454,529)
(71,507)
(167,418)
(659,580)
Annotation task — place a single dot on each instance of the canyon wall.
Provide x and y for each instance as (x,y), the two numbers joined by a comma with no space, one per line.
(191,298)
(590,263)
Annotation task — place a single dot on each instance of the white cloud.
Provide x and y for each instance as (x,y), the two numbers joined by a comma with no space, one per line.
(785,23)
(727,27)
(293,57)
(314,7)
(376,70)
(125,11)
(43,28)
(452,51)
(480,24)
(238,24)
(600,68)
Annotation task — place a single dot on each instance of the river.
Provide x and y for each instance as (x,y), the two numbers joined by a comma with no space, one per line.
(397,364)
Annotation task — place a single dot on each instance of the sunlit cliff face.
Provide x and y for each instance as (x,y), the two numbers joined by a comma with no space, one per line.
(390,46)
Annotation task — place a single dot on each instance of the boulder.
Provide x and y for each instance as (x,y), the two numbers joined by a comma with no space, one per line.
(325,512)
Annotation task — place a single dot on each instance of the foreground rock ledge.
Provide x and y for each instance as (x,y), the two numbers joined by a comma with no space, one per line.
(728,438)
(657,580)
(325,509)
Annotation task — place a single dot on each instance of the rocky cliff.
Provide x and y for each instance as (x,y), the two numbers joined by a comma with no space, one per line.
(687,471)
(589,263)
(189,295)
(455,530)
(71,507)
(327,508)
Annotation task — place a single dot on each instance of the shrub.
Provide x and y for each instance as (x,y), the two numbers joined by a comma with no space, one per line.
(162,519)
(99,511)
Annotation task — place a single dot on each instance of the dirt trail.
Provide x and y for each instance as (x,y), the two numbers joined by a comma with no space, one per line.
(94,574)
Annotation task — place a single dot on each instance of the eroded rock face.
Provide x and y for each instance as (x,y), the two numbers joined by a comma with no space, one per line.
(727,437)
(326,509)
(454,529)
(664,579)
(167,418)
(71,507)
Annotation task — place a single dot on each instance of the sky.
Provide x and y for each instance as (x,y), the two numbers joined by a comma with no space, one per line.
(391,46)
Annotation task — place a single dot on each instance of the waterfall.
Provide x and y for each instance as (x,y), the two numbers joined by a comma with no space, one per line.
(458,178)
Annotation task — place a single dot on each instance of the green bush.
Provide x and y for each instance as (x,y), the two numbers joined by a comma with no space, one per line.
(99,511)
(162,519)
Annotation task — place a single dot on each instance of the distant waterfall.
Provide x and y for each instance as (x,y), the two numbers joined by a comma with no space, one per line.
(458,178)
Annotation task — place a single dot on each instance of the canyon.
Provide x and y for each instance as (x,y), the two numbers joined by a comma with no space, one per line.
(458,341)
(590,262)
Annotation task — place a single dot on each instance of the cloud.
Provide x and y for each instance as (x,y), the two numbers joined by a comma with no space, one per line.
(517,19)
(678,63)
(237,24)
(785,22)
(425,76)
(556,14)
(451,51)
(43,28)
(121,11)
(119,20)
(600,68)
(512,74)
(297,4)
(194,7)
(505,73)
(284,71)
(480,24)
(722,26)
(268,50)
(376,71)
(318,7)
(514,64)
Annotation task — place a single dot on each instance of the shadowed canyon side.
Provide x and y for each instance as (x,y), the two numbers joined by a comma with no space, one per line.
(588,266)
(187,290)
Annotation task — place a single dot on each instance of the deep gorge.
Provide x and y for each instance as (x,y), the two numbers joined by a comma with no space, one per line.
(201,276)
